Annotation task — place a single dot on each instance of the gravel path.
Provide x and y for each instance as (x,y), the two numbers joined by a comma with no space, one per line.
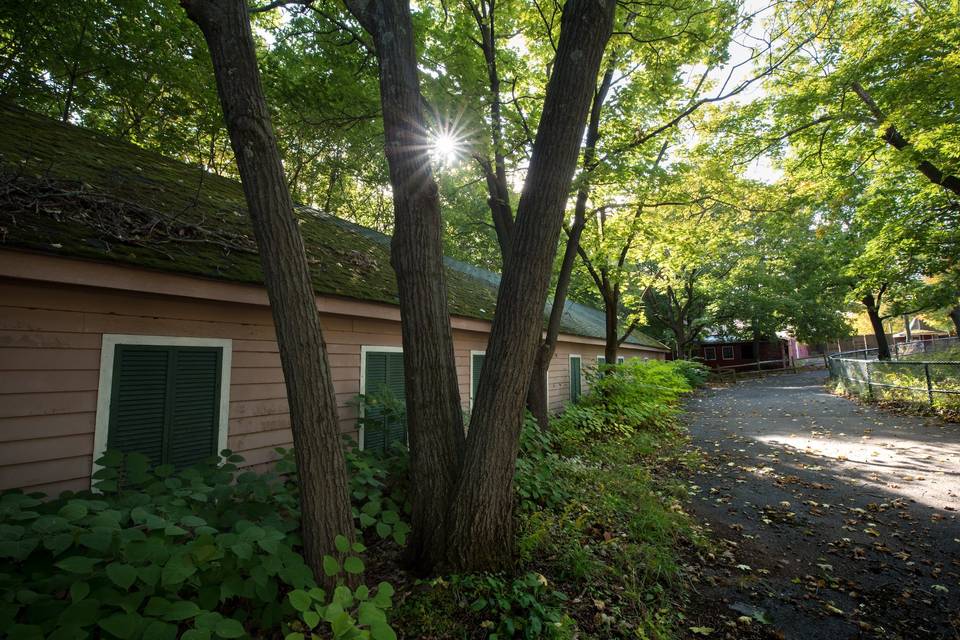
(832,520)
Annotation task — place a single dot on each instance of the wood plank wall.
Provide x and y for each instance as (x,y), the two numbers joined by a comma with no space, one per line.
(50,339)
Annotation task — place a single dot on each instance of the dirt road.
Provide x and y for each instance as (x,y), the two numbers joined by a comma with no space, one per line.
(832,520)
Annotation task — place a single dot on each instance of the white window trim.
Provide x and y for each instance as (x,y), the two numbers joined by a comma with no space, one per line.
(473,353)
(570,359)
(364,350)
(604,358)
(546,384)
(707,350)
(108,349)
(733,355)
(621,359)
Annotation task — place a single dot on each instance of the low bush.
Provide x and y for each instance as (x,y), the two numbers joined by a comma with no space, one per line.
(598,533)
(696,373)
(208,552)
(538,465)
(635,395)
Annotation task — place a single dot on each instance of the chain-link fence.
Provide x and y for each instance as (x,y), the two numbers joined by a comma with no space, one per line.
(927,373)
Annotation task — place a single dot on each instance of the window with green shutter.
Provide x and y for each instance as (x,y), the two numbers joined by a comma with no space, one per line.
(476,364)
(575,378)
(165,402)
(384,418)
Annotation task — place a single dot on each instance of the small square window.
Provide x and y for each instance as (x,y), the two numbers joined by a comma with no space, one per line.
(726,353)
(709,353)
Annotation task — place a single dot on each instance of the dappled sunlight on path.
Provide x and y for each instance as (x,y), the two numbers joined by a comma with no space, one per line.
(842,519)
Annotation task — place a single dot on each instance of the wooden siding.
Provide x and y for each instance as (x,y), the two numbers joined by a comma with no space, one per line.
(50,337)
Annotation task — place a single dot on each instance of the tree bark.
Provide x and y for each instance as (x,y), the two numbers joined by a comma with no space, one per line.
(434,415)
(906,327)
(321,468)
(537,397)
(873,312)
(612,326)
(955,316)
(481,518)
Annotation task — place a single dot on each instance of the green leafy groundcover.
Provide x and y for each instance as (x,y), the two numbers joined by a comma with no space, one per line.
(599,533)
(208,552)
(213,551)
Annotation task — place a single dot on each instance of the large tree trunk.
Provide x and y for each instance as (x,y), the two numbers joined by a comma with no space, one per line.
(434,416)
(906,328)
(883,349)
(324,498)
(612,328)
(481,519)
(955,316)
(537,396)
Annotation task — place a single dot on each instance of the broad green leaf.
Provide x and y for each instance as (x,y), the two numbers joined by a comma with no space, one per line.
(353,564)
(82,614)
(382,631)
(229,628)
(300,600)
(178,568)
(181,610)
(330,566)
(78,564)
(122,625)
(158,630)
(79,591)
(122,575)
(73,511)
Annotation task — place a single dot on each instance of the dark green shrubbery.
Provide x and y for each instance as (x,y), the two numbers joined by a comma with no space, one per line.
(538,465)
(207,552)
(592,521)
(696,373)
(213,551)
(633,396)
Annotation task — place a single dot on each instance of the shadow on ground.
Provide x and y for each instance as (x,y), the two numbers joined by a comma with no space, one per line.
(832,520)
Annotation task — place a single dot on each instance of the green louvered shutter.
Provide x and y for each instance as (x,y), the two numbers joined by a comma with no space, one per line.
(165,402)
(383,372)
(138,400)
(574,379)
(195,412)
(477,362)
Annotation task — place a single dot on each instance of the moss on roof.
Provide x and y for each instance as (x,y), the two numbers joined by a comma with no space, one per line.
(74,192)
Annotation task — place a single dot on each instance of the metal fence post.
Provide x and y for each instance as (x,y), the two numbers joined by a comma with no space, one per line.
(926,371)
(869,383)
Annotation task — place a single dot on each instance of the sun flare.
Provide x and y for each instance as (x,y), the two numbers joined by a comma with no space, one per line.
(446,148)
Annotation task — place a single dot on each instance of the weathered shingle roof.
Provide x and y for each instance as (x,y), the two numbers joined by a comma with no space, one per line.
(69,191)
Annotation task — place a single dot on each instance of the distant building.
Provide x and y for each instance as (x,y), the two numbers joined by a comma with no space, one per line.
(719,352)
(919,330)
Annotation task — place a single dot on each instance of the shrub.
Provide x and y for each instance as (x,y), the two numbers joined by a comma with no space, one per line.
(636,395)
(537,468)
(515,607)
(696,373)
(377,489)
(210,551)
